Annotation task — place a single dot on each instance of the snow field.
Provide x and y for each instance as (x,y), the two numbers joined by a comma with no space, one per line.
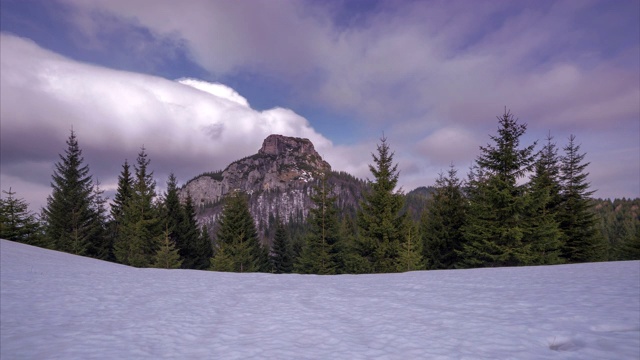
(56,305)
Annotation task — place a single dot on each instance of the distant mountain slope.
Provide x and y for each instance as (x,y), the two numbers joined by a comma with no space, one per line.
(60,306)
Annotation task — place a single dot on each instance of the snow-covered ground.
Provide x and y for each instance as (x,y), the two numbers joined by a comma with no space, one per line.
(59,306)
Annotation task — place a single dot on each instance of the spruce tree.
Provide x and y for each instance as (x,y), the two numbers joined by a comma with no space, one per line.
(442,223)
(69,216)
(101,242)
(496,227)
(543,232)
(382,226)
(582,242)
(281,256)
(320,254)
(195,248)
(17,223)
(237,238)
(167,256)
(410,255)
(137,242)
(123,193)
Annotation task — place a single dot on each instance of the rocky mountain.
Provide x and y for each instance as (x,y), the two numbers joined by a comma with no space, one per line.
(278,179)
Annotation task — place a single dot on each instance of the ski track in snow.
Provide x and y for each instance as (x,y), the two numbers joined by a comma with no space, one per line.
(56,305)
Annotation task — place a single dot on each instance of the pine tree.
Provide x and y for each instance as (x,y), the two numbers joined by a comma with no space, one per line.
(101,242)
(17,223)
(123,193)
(543,232)
(443,221)
(237,237)
(410,255)
(381,224)
(582,243)
(496,227)
(137,241)
(281,256)
(167,256)
(69,216)
(320,254)
(195,248)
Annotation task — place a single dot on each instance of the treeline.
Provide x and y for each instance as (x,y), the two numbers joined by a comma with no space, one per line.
(517,206)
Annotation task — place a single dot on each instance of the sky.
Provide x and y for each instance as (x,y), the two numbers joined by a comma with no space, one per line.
(200,84)
(62,306)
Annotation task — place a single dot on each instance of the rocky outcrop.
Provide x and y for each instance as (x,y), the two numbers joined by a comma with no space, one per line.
(279,179)
(281,163)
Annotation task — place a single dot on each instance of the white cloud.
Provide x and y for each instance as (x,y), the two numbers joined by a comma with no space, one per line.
(187,129)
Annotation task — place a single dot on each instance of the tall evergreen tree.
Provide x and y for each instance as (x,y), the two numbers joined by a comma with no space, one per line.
(442,223)
(281,256)
(543,232)
(137,242)
(101,242)
(320,254)
(582,243)
(69,216)
(195,248)
(123,193)
(237,239)
(381,224)
(496,227)
(17,223)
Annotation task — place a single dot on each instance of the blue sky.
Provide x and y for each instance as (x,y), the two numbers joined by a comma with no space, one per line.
(431,75)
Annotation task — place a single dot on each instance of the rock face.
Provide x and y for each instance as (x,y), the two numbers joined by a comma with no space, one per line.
(281,163)
(278,179)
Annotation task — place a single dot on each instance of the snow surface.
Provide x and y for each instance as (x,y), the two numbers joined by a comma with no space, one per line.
(56,305)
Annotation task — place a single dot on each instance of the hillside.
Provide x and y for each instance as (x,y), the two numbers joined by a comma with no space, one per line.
(56,305)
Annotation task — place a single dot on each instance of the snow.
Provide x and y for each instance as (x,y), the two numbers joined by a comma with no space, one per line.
(56,305)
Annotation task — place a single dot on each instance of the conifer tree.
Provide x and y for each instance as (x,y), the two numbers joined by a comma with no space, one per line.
(69,216)
(381,224)
(17,223)
(137,241)
(167,256)
(281,256)
(582,243)
(496,227)
(237,237)
(123,193)
(195,248)
(320,254)
(410,255)
(101,242)
(442,223)
(543,232)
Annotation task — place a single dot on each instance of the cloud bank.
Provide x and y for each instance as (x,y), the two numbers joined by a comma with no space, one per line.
(187,126)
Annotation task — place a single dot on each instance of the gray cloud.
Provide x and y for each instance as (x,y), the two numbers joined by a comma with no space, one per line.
(423,72)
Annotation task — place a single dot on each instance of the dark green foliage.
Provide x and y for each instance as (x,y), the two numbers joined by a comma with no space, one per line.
(237,240)
(619,224)
(582,241)
(123,193)
(382,226)
(70,214)
(101,243)
(320,254)
(543,232)
(281,255)
(137,241)
(199,249)
(442,223)
(496,223)
(17,223)
(167,256)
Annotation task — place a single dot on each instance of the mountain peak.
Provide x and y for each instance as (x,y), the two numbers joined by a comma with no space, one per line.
(281,145)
